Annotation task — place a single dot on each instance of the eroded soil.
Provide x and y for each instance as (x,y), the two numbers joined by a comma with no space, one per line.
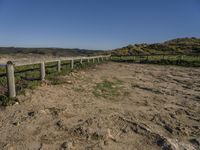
(111,106)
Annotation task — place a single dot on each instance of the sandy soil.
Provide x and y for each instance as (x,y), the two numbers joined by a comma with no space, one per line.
(148,107)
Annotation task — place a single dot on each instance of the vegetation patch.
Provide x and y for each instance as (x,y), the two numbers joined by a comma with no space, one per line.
(187,61)
(78,89)
(175,46)
(181,51)
(6,101)
(108,90)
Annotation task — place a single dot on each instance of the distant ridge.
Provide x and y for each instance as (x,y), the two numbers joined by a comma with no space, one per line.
(48,51)
(175,46)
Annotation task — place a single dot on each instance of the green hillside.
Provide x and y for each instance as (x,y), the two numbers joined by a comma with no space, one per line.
(176,46)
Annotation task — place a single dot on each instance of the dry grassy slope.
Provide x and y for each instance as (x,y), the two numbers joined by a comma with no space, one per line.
(180,45)
(112,106)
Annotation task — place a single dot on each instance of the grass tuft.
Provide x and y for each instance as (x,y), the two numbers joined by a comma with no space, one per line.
(106,89)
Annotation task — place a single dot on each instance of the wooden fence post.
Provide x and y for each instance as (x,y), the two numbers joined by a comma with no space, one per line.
(59,65)
(88,60)
(42,71)
(98,59)
(11,79)
(93,60)
(72,64)
(81,61)
(181,58)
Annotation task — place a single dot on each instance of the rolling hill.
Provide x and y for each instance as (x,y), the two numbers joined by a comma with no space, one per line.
(175,46)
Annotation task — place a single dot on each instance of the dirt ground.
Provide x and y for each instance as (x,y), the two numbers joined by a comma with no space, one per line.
(111,106)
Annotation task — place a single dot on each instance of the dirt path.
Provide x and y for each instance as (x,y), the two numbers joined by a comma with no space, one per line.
(112,106)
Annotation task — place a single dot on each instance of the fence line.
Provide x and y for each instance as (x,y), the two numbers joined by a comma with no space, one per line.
(163,56)
(159,55)
(10,68)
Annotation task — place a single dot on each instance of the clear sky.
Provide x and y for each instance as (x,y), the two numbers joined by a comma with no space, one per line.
(96,24)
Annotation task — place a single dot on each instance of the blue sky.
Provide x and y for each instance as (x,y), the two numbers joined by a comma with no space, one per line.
(96,24)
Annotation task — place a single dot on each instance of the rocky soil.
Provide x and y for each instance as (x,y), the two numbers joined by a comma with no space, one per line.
(111,106)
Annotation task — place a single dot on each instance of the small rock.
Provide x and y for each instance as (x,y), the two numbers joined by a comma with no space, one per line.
(8,147)
(16,103)
(69,82)
(113,86)
(27,94)
(106,142)
(16,123)
(42,111)
(125,130)
(168,128)
(46,111)
(195,141)
(31,114)
(109,136)
(67,145)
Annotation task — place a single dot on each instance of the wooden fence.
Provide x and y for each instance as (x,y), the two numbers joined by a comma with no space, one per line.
(147,57)
(10,68)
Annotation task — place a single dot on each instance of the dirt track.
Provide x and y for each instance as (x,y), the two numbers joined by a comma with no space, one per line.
(111,106)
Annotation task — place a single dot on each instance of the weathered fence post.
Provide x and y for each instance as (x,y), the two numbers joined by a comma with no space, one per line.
(42,71)
(181,58)
(59,65)
(81,61)
(88,60)
(133,58)
(98,59)
(11,79)
(93,60)
(72,64)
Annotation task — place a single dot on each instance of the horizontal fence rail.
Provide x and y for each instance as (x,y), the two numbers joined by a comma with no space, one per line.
(159,55)
(162,56)
(186,60)
(10,68)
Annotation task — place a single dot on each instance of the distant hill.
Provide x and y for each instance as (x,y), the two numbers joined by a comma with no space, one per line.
(175,46)
(49,51)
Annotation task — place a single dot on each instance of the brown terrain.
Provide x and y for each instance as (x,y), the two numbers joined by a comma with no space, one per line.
(110,106)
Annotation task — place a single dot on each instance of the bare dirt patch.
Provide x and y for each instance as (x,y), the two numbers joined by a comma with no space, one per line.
(112,106)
